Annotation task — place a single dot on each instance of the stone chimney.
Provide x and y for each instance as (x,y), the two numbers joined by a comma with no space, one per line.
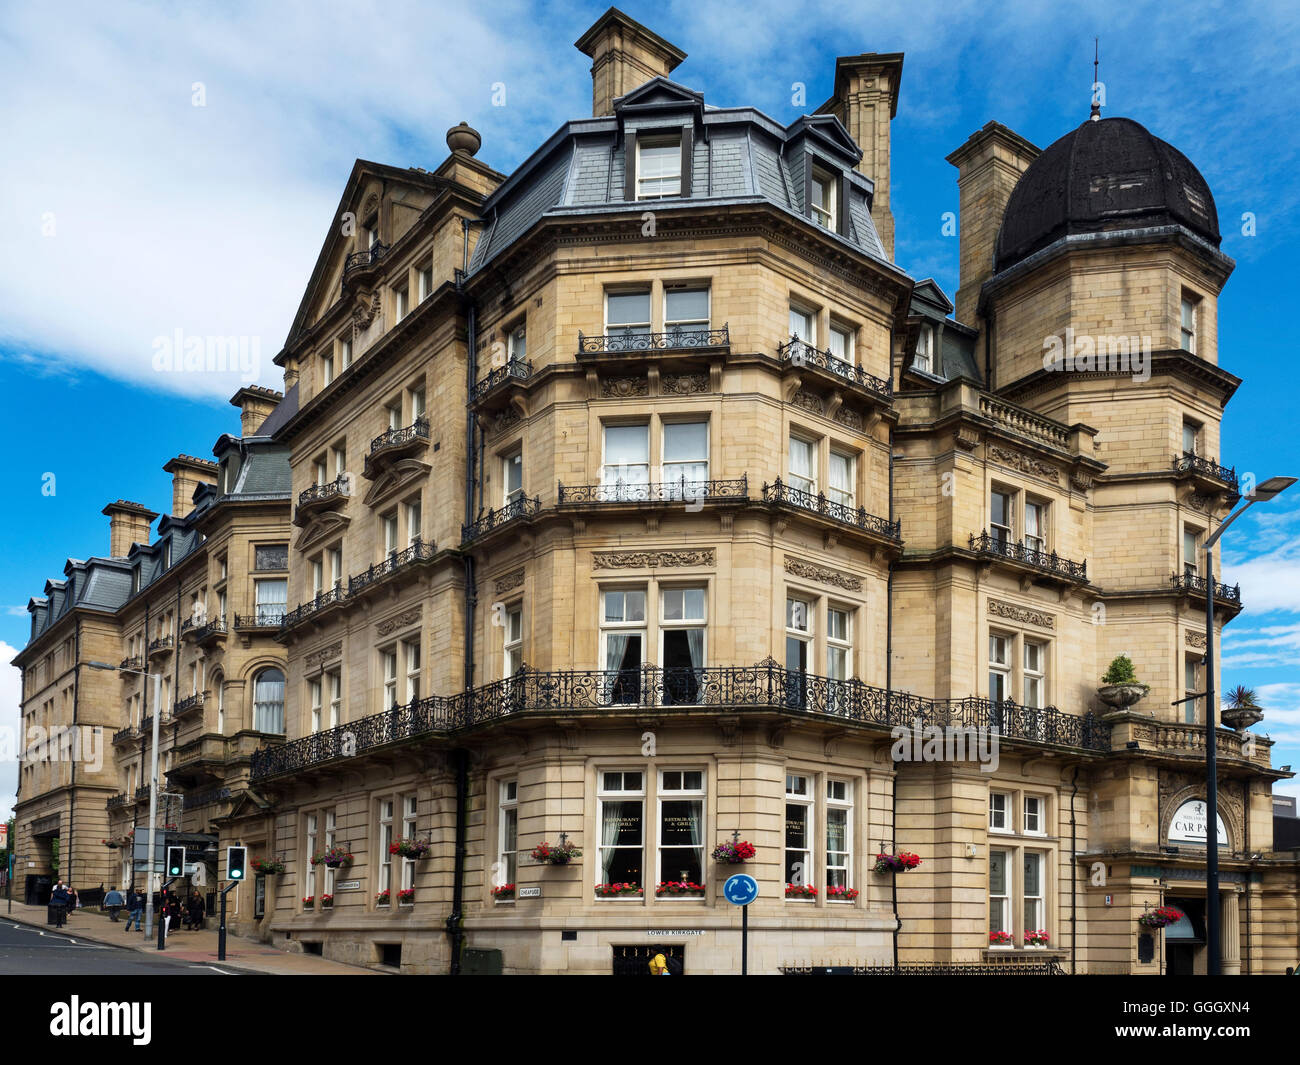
(866,101)
(188,473)
(254,405)
(128,523)
(988,166)
(624,56)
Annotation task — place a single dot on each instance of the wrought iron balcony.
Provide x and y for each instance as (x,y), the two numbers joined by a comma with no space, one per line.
(124,735)
(320,496)
(522,509)
(142,793)
(264,618)
(116,802)
(1051,562)
(514,370)
(1192,584)
(193,800)
(325,599)
(779,494)
(364,260)
(135,662)
(210,630)
(396,560)
(1206,467)
(796,352)
(188,705)
(682,491)
(673,340)
(417,430)
(160,645)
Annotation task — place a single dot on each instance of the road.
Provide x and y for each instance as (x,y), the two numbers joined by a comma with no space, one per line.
(29,951)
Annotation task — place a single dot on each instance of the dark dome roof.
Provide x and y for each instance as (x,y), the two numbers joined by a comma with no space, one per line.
(1108,174)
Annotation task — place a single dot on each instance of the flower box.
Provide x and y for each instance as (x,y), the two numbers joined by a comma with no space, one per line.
(896,863)
(383,898)
(309,902)
(267,866)
(559,855)
(327,902)
(334,858)
(406,897)
(800,891)
(1160,917)
(733,853)
(841,894)
(504,893)
(1001,940)
(618,891)
(1036,939)
(414,849)
(686,889)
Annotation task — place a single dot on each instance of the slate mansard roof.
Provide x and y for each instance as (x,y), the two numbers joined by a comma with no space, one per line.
(737,156)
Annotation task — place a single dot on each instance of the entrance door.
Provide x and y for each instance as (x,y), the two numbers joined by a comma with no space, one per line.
(1185,939)
(635,960)
(1181,960)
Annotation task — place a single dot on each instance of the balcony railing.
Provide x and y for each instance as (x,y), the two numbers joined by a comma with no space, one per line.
(779,494)
(363,259)
(264,618)
(119,800)
(673,340)
(215,627)
(1192,584)
(321,493)
(301,613)
(1190,463)
(986,544)
(188,704)
(417,430)
(193,800)
(132,663)
(682,491)
(796,352)
(124,735)
(766,687)
(396,560)
(514,370)
(163,643)
(521,509)
(1025,422)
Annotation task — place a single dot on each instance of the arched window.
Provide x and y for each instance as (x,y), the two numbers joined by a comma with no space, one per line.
(268,701)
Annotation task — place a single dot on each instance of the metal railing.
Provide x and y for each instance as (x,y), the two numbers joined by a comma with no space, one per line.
(673,339)
(396,560)
(135,662)
(191,702)
(360,259)
(163,643)
(765,687)
(1195,585)
(119,800)
(216,627)
(1046,967)
(780,494)
(319,493)
(271,618)
(122,735)
(417,430)
(1018,551)
(796,352)
(735,490)
(206,797)
(1192,463)
(515,369)
(521,509)
(301,613)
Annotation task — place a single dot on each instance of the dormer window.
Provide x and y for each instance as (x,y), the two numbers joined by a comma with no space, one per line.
(823,195)
(925,350)
(658,166)
(166,554)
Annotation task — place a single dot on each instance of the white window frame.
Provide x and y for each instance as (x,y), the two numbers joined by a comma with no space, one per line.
(801,482)
(1033,821)
(839,644)
(683,794)
(1187,314)
(806,854)
(622,794)
(512,635)
(508,832)
(309,870)
(623,480)
(314,699)
(805,635)
(824,214)
(1009,529)
(1039,900)
(513,460)
(628,328)
(1001,811)
(388,661)
(411,661)
(1040,510)
(803,324)
(844,497)
(331,829)
(693,471)
(410,821)
(334,677)
(1007,897)
(386,810)
(661,177)
(842,870)
(924,358)
(1034,678)
(1002,666)
(688,325)
(634,627)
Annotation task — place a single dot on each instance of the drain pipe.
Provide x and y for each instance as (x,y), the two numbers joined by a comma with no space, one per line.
(1074,873)
(455,933)
(889,696)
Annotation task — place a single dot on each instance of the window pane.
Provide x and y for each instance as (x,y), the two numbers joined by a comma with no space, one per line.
(691,305)
(627,444)
(1033,873)
(841,344)
(997,873)
(796,615)
(800,458)
(686,441)
(801,326)
(629,308)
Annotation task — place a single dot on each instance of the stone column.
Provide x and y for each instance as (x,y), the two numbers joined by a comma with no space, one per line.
(1230,934)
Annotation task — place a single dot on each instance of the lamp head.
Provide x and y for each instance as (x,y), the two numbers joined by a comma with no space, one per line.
(1274,486)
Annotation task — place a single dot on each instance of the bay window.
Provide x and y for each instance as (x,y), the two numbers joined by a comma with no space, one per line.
(1000,517)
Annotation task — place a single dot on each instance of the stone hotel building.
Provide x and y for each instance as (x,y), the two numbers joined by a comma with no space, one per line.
(639,501)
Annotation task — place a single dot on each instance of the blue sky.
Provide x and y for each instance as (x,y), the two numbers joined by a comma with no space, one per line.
(128,212)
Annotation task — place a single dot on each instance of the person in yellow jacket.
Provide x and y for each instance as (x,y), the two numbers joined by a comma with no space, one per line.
(659,966)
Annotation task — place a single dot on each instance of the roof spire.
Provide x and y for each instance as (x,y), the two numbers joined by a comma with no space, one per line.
(1095,114)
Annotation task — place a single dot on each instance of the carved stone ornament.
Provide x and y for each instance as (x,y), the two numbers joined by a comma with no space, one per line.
(799,568)
(807,401)
(1012,612)
(624,387)
(1195,639)
(685,384)
(652,559)
(365,309)
(506,419)
(1018,460)
(851,418)
(386,626)
(509,582)
(315,658)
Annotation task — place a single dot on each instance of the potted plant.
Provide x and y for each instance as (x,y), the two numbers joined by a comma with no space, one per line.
(334,858)
(1120,687)
(841,894)
(267,866)
(1240,709)
(1036,938)
(406,897)
(415,849)
(680,888)
(309,902)
(1001,939)
(1160,917)
(561,854)
(733,852)
(620,890)
(383,898)
(327,902)
(800,891)
(896,863)
(503,892)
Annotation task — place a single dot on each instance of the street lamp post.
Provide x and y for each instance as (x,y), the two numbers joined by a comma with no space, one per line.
(1263,492)
(153,783)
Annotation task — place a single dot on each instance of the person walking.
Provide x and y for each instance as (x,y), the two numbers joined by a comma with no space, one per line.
(196,912)
(59,900)
(113,901)
(134,909)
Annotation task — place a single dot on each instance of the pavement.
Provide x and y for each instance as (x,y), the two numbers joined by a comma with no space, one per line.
(197,947)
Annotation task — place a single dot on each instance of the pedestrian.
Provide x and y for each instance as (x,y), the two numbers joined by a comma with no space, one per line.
(134,909)
(113,900)
(74,900)
(196,912)
(59,900)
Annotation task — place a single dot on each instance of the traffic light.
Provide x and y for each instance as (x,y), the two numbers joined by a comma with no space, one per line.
(175,861)
(236,859)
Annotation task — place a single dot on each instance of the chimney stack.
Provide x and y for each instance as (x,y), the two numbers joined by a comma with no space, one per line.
(624,56)
(188,473)
(865,101)
(988,166)
(128,523)
(255,404)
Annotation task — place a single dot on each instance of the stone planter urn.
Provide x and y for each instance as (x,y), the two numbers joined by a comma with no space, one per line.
(1240,718)
(1121,696)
